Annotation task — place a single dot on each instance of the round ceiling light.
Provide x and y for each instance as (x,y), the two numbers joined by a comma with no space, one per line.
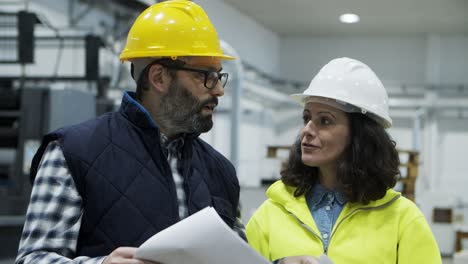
(349,18)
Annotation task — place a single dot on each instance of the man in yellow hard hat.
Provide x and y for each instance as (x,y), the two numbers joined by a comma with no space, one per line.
(105,186)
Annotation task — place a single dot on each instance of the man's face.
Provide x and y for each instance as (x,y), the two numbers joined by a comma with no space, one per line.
(188,105)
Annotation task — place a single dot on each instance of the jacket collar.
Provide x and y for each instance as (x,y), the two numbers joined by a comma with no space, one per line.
(135,112)
(284,195)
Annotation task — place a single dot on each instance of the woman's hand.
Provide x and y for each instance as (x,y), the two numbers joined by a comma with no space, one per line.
(124,255)
(299,260)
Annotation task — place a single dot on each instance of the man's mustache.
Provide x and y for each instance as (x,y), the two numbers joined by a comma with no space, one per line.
(212,100)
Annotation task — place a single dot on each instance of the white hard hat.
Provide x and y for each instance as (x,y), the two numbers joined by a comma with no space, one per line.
(349,81)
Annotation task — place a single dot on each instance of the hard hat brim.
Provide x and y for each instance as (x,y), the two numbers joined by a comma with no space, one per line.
(126,56)
(385,122)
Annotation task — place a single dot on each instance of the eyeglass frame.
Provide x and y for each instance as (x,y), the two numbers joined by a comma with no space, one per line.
(171,64)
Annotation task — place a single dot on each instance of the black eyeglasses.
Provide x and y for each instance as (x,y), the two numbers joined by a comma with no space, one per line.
(211,77)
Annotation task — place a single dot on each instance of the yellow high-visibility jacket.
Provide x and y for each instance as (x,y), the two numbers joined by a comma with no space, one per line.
(390,230)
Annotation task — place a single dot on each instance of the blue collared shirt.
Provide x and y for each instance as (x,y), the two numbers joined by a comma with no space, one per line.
(325,207)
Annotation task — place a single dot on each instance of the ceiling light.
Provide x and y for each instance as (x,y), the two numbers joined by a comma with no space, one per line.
(349,18)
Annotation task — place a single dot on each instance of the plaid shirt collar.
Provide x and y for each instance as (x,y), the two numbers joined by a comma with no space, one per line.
(173,146)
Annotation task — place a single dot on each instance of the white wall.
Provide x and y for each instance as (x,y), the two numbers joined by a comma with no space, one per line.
(402,133)
(454,59)
(255,44)
(453,159)
(392,58)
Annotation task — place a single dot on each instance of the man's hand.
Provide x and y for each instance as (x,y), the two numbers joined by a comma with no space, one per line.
(124,255)
(299,260)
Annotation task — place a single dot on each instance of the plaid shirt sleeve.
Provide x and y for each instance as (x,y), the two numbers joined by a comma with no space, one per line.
(53,219)
(239,227)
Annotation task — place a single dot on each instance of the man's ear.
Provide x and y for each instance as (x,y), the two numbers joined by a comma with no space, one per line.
(158,78)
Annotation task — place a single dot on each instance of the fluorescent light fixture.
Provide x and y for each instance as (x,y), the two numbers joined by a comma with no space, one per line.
(349,18)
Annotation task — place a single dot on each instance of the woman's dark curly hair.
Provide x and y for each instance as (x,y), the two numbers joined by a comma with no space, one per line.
(368,166)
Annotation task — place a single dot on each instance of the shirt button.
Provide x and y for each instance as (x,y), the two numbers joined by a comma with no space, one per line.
(330,195)
(327,208)
(325,235)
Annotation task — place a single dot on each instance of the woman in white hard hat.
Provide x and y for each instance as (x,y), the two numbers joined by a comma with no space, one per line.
(334,196)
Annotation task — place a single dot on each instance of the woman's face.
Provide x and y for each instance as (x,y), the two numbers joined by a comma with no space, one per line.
(324,136)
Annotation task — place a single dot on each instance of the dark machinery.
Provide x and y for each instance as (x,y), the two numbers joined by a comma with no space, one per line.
(29,108)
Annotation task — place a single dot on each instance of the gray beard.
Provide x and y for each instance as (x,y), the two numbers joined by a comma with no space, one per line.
(181,112)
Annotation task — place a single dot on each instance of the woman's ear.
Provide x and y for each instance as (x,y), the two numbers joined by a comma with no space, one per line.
(158,78)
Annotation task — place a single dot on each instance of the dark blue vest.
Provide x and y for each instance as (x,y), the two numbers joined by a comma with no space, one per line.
(126,183)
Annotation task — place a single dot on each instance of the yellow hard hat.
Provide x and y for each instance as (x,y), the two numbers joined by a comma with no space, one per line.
(171,29)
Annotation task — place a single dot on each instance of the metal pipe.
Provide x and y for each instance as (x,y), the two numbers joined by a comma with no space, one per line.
(236,110)
(417,128)
(440,102)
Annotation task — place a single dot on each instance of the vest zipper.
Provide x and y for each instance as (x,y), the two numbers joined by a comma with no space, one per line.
(170,178)
(185,174)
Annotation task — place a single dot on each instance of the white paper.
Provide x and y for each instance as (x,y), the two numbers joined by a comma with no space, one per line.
(202,238)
